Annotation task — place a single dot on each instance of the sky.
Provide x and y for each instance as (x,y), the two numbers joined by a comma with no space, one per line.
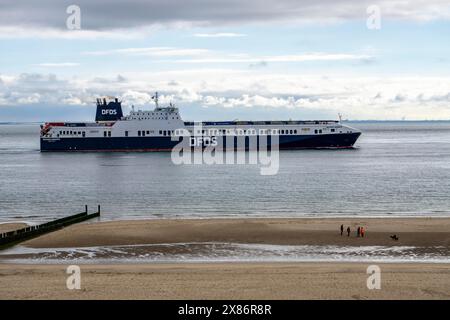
(226,60)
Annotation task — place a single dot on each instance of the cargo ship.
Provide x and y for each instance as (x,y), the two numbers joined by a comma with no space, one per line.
(162,128)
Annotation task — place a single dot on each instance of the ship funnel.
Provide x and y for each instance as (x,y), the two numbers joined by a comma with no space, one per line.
(108,110)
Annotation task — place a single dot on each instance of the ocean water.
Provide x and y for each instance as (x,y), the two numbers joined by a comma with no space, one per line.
(396,169)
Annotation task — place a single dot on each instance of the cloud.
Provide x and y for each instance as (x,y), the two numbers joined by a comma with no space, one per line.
(106,15)
(57,64)
(242,92)
(151,51)
(261,60)
(219,35)
(259,64)
(200,55)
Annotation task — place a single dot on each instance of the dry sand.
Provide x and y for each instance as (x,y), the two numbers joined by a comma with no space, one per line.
(227,281)
(411,231)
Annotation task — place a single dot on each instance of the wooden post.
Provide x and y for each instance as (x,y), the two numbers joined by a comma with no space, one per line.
(98,209)
(85,208)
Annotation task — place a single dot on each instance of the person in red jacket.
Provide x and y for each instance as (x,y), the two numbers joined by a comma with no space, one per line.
(362,232)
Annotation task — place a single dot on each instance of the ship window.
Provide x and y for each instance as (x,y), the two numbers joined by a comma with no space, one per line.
(126,133)
(139,133)
(164,132)
(160,131)
(320,131)
(332,130)
(148,132)
(109,133)
(295,131)
(84,134)
(104,133)
(143,133)
(315,131)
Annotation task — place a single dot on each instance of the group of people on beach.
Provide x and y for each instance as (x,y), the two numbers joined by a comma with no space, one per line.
(360,232)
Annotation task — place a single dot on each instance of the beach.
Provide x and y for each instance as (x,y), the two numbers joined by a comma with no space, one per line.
(285,231)
(226,281)
(184,279)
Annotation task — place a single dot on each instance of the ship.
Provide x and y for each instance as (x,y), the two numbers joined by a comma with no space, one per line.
(162,128)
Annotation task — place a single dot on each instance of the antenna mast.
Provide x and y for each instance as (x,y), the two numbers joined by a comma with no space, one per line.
(155,97)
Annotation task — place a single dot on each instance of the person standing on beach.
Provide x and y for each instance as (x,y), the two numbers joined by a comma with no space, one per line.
(342,229)
(362,232)
(358,232)
(348,231)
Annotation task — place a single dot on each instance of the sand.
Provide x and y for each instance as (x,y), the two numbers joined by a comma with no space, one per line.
(227,281)
(6,227)
(290,280)
(411,232)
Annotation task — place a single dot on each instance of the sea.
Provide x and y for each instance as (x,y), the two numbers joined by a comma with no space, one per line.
(396,169)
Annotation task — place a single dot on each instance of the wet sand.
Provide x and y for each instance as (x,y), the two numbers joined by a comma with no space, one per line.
(422,232)
(227,281)
(6,227)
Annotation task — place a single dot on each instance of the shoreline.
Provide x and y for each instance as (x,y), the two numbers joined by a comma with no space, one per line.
(184,279)
(278,231)
(239,240)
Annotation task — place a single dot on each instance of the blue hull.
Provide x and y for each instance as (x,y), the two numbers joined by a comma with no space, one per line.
(287,142)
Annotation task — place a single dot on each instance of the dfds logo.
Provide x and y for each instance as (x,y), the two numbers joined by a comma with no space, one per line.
(203,141)
(111,112)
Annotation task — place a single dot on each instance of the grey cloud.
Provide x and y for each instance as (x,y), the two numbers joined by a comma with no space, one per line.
(172,83)
(113,14)
(260,64)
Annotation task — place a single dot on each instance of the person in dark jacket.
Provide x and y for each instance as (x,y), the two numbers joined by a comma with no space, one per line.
(348,231)
(358,233)
(342,229)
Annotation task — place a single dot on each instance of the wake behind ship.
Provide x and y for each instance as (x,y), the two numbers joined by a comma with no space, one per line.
(155,131)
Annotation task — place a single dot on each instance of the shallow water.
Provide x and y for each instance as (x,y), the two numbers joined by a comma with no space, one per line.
(225,252)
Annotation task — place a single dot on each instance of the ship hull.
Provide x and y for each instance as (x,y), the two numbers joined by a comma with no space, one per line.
(128,144)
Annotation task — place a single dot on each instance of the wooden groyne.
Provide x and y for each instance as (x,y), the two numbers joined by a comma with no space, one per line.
(13,237)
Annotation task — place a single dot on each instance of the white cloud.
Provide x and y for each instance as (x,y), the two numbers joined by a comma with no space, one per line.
(151,51)
(201,55)
(355,96)
(278,58)
(57,64)
(219,35)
